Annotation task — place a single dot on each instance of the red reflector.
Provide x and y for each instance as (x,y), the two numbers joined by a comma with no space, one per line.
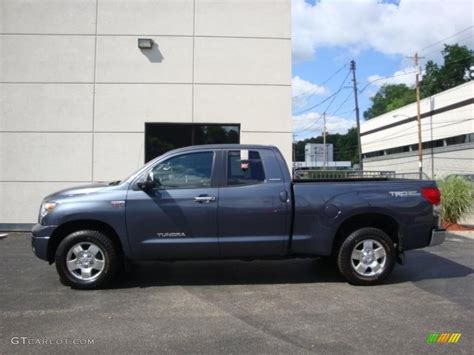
(432,195)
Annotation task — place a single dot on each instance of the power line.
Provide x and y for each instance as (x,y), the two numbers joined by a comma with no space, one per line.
(446,38)
(318,128)
(321,116)
(404,132)
(383,78)
(318,104)
(440,49)
(402,74)
(310,125)
(347,111)
(327,98)
(342,104)
(322,84)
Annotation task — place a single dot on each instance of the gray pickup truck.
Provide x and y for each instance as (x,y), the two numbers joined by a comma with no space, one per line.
(234,202)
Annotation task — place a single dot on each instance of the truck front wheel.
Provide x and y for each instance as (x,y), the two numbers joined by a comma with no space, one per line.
(86,260)
(366,257)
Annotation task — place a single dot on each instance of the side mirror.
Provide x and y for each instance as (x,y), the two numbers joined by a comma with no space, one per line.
(149,183)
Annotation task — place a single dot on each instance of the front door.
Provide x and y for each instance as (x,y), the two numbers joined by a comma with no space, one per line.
(178,218)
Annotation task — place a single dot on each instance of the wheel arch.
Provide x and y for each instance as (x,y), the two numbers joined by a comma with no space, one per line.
(69,227)
(377,220)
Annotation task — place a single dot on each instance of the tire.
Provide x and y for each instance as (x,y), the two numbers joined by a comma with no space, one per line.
(87,260)
(366,257)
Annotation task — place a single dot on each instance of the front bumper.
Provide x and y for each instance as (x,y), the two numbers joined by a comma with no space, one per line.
(40,239)
(437,237)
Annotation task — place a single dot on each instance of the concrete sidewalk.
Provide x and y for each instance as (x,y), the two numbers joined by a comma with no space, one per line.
(465,234)
(468,218)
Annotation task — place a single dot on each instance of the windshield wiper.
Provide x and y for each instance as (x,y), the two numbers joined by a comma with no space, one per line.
(113,183)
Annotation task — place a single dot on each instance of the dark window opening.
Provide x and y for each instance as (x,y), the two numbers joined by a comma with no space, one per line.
(457,140)
(464,138)
(163,137)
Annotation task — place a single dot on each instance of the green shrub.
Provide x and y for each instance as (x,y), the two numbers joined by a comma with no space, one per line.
(456,198)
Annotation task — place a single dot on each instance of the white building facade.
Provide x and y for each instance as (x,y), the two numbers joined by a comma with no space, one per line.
(390,142)
(80,102)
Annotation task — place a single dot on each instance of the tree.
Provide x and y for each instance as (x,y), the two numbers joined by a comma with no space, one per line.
(456,62)
(345,146)
(389,98)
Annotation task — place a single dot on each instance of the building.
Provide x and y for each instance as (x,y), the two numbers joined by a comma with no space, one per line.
(314,158)
(80,102)
(390,141)
(315,153)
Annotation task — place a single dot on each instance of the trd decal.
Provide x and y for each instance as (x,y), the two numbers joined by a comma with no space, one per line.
(404,193)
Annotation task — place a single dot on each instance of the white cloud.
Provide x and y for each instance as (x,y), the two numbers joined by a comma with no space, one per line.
(387,28)
(302,90)
(405,76)
(310,124)
(301,87)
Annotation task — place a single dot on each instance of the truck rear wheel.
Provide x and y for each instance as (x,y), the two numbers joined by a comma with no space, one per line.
(86,260)
(366,257)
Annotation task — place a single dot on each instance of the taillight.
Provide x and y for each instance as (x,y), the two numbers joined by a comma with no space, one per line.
(432,195)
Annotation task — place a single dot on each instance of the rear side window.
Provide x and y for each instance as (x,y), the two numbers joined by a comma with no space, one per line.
(242,170)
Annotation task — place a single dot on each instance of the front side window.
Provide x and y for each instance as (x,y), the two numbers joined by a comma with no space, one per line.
(192,170)
(247,171)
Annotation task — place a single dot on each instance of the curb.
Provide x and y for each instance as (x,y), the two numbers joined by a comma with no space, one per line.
(465,234)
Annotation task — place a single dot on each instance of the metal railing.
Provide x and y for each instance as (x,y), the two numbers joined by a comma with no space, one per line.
(319,174)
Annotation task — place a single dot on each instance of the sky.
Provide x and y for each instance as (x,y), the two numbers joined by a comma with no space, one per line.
(379,35)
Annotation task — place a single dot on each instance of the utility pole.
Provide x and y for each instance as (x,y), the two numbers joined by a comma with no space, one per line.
(418,115)
(356,100)
(418,118)
(325,151)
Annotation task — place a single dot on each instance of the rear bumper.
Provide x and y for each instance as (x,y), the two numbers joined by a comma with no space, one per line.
(40,239)
(437,237)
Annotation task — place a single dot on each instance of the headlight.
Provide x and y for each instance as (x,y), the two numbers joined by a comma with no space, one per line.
(46,208)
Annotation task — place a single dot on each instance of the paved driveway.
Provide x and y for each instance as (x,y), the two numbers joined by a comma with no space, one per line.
(295,306)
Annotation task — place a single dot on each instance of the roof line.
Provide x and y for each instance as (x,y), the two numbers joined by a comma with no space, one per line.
(423,115)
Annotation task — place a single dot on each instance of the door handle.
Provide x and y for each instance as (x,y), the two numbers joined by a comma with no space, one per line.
(284,196)
(205,199)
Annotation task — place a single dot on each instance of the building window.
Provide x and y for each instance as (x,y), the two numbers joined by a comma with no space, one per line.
(464,138)
(163,137)
(457,140)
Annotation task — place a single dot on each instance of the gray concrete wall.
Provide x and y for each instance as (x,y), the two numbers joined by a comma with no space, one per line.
(75,91)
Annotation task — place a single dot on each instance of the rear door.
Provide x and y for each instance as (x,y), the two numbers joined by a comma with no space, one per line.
(254,206)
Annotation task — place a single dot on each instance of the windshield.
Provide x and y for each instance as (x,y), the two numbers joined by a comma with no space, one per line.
(139,171)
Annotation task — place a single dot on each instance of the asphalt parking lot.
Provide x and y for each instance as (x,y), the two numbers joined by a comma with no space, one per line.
(295,306)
